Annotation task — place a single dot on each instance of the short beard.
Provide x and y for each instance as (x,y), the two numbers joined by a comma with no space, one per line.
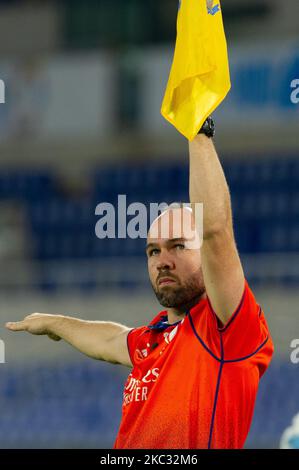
(184,296)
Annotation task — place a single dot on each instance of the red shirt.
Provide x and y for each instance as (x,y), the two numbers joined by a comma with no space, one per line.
(194,384)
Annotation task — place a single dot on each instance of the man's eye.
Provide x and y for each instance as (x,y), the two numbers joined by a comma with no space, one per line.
(179,246)
(153,251)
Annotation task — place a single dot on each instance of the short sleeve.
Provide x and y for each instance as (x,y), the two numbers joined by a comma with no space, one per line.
(246,333)
(132,340)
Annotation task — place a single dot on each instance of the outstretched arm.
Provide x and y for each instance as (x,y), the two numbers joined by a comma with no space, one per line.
(221,265)
(106,341)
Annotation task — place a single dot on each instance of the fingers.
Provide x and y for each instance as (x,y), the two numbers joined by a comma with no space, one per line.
(16,326)
(21,325)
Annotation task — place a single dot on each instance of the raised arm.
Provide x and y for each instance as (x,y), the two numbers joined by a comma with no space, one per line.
(106,341)
(221,265)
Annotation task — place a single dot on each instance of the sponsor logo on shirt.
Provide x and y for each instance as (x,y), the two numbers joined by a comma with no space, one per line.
(143,352)
(135,390)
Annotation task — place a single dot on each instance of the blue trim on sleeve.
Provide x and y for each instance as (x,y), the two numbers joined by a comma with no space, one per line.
(199,338)
(218,358)
(249,355)
(234,314)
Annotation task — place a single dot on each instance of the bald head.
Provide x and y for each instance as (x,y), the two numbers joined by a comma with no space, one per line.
(175,223)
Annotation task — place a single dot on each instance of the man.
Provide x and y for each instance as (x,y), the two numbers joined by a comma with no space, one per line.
(197,365)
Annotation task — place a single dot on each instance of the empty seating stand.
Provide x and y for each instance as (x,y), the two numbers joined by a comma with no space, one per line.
(79,405)
(265,200)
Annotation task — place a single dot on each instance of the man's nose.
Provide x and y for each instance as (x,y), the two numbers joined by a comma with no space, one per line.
(165,262)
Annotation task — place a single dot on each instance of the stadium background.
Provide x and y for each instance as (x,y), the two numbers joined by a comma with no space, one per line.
(80,125)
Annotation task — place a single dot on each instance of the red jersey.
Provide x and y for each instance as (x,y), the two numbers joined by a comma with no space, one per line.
(193,384)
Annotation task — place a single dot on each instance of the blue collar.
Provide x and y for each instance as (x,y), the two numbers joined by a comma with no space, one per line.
(162,324)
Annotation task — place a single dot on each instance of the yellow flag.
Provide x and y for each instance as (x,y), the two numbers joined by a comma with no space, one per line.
(199,78)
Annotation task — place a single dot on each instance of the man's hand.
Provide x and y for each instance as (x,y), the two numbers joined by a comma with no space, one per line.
(105,341)
(36,324)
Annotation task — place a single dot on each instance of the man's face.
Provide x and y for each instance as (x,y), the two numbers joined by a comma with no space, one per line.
(174,260)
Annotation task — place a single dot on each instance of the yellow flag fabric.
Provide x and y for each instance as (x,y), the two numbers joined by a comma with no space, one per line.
(199,78)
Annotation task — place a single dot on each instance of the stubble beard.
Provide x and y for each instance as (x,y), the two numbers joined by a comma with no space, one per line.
(181,297)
